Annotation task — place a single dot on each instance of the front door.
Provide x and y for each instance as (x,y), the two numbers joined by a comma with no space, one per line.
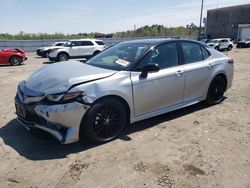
(160,89)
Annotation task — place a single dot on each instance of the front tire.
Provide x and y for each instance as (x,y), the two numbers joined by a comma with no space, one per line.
(216,90)
(229,48)
(15,61)
(62,57)
(104,121)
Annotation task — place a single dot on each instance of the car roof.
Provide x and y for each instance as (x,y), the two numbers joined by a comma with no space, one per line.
(86,39)
(157,41)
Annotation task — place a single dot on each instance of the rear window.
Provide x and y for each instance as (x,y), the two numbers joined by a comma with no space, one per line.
(100,43)
(86,43)
(192,52)
(205,53)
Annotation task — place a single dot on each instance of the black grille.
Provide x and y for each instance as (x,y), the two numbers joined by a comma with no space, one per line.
(30,114)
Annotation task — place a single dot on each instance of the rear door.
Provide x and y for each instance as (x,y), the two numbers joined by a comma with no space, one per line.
(86,48)
(160,89)
(198,68)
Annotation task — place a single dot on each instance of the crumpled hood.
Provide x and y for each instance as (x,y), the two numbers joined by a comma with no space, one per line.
(59,77)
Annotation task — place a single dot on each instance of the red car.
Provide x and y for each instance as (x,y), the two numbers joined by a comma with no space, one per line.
(13,56)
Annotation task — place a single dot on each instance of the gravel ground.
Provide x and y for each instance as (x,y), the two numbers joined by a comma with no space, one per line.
(198,146)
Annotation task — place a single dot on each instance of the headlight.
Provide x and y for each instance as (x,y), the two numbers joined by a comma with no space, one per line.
(64,97)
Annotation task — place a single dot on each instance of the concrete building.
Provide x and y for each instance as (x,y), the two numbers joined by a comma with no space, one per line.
(229,22)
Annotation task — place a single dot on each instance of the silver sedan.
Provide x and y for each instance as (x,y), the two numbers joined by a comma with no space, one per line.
(126,83)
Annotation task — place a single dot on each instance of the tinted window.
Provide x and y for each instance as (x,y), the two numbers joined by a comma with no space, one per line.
(192,52)
(100,43)
(86,43)
(119,57)
(205,53)
(75,43)
(165,56)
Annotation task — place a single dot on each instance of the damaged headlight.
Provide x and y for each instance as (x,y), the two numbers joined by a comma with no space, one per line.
(64,97)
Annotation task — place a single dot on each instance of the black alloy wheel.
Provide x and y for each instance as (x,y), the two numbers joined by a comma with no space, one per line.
(216,90)
(104,121)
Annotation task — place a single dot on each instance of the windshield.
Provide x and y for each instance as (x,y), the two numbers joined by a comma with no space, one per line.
(120,56)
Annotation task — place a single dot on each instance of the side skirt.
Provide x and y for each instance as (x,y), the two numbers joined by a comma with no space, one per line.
(165,110)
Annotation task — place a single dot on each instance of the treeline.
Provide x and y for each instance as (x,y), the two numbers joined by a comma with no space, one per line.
(146,31)
(159,30)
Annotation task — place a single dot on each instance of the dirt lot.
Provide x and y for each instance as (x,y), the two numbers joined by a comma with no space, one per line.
(198,146)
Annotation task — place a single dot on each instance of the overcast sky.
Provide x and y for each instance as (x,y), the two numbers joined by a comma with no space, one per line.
(74,16)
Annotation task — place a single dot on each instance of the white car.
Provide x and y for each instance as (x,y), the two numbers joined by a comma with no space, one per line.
(83,48)
(221,44)
(44,51)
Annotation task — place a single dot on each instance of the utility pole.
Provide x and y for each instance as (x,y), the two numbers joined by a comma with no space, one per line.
(201,19)
(134,30)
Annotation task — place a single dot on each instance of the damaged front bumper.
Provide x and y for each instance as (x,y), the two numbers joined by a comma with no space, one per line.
(60,120)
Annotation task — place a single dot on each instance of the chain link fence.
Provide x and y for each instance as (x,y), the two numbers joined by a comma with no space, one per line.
(32,45)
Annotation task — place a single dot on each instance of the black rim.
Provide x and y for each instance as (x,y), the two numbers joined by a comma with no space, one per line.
(107,122)
(217,90)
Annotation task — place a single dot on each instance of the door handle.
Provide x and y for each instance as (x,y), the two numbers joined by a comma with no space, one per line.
(178,73)
(210,65)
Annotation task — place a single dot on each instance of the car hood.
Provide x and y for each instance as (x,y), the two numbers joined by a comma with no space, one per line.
(51,48)
(59,77)
(211,43)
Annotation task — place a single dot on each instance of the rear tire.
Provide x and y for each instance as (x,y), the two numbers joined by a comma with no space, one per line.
(15,61)
(216,90)
(104,121)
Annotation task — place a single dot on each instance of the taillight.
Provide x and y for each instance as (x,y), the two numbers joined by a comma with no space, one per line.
(230,61)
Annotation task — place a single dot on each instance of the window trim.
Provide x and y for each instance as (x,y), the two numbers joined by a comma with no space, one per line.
(134,68)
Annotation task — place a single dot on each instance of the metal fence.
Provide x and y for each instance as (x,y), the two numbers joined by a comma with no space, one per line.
(32,45)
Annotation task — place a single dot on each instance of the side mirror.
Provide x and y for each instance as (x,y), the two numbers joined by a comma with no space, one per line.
(151,67)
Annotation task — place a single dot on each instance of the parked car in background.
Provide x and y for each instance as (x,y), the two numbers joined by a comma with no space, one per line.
(128,82)
(206,40)
(44,51)
(221,44)
(83,48)
(13,56)
(243,43)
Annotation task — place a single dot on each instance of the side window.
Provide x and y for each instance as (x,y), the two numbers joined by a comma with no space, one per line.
(75,43)
(86,43)
(165,55)
(205,53)
(192,52)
